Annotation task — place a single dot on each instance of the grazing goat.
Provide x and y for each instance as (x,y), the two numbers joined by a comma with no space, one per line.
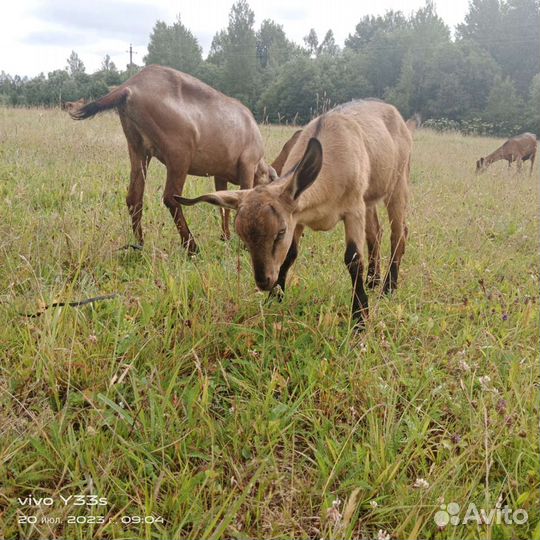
(518,149)
(192,129)
(341,165)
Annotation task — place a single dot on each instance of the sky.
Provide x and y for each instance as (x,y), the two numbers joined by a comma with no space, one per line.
(38,35)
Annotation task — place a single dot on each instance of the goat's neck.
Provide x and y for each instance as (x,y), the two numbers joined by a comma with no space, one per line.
(494,156)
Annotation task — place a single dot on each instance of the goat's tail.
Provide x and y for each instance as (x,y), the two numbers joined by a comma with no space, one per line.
(110,101)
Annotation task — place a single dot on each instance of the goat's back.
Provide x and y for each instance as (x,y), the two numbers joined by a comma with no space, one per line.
(172,109)
(366,147)
(521,146)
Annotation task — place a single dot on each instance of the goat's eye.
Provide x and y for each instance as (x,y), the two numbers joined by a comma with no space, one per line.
(280,234)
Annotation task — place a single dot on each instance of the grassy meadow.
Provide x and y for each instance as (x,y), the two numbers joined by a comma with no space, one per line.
(200,410)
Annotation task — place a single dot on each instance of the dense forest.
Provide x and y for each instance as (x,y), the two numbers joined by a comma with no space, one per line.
(483,78)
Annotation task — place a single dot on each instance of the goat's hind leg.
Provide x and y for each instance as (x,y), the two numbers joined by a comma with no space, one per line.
(139,166)
(396,206)
(373,238)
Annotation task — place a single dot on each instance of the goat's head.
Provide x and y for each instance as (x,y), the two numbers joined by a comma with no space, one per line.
(266,220)
(264,174)
(481,165)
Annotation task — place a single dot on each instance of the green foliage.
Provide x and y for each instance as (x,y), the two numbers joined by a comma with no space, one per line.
(273,47)
(75,65)
(174,46)
(110,74)
(534,105)
(294,92)
(508,31)
(504,106)
(239,49)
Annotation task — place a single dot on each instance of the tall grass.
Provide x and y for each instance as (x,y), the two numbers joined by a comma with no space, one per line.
(191,398)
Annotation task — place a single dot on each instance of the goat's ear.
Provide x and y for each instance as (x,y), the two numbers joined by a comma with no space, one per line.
(225,199)
(307,170)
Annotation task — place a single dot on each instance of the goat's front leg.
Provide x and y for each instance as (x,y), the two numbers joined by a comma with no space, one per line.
(355,238)
(279,290)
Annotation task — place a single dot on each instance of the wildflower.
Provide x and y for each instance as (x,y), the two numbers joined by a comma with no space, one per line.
(501,406)
(464,366)
(383,535)
(420,483)
(333,512)
(456,439)
(485,381)
(92,338)
(373,504)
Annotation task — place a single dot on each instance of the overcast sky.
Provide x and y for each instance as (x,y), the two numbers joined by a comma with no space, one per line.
(38,35)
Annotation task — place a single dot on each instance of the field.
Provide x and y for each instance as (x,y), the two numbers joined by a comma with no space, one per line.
(189,397)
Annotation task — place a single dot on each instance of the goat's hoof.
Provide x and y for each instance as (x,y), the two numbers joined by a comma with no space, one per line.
(191,247)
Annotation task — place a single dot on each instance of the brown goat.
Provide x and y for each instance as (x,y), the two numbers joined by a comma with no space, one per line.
(192,129)
(518,149)
(278,163)
(341,165)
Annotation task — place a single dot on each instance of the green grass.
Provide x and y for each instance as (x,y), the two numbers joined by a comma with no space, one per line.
(189,397)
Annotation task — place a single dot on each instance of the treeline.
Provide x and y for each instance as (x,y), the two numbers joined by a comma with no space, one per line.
(484,79)
(61,85)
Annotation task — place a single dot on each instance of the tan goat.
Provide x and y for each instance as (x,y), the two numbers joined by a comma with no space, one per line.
(341,165)
(518,149)
(192,129)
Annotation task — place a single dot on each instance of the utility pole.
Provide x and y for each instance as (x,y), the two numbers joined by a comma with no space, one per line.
(131,53)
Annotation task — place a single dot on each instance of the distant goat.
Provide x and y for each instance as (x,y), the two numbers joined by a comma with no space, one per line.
(192,129)
(340,166)
(518,149)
